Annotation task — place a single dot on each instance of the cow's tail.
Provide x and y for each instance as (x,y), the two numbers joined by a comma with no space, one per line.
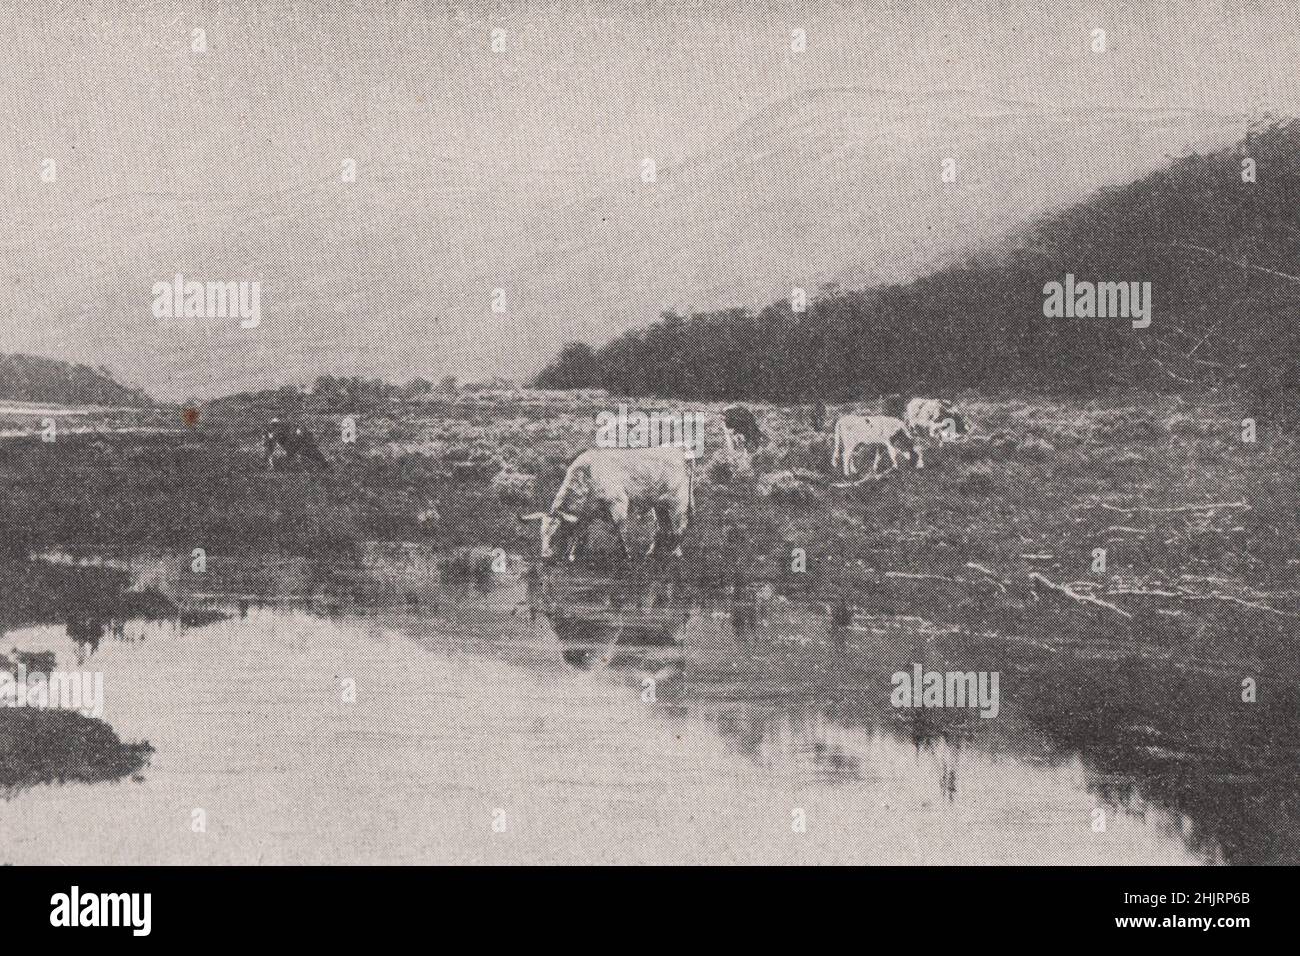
(690,490)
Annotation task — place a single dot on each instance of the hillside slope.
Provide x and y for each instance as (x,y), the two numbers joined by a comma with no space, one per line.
(1221,255)
(29,378)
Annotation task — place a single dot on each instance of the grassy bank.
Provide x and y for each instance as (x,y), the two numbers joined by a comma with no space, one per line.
(981,539)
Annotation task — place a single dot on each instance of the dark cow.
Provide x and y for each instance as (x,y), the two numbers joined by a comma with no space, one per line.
(817,416)
(737,420)
(295,442)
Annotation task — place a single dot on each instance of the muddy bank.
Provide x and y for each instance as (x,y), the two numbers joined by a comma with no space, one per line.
(59,746)
(51,745)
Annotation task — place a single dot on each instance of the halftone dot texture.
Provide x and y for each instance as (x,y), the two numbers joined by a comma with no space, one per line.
(347,649)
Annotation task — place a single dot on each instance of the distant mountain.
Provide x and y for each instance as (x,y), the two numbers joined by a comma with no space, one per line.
(28,378)
(1214,235)
(393,276)
(841,187)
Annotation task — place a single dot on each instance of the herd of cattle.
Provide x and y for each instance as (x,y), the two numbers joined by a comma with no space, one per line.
(613,484)
(609,485)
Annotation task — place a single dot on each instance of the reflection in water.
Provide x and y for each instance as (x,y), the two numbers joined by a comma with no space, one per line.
(648,708)
(86,633)
(619,625)
(1152,739)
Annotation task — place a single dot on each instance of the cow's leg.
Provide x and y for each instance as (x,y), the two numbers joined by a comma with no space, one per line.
(680,518)
(618,517)
(668,528)
(576,543)
(849,468)
(658,515)
(881,452)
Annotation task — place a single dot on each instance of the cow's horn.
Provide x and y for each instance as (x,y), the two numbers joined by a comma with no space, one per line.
(535,516)
(565,516)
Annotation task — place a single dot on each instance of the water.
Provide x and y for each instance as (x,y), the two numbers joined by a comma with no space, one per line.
(527,725)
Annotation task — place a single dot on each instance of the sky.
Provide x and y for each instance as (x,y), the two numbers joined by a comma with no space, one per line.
(521,170)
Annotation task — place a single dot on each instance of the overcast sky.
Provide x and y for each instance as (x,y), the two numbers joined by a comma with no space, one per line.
(166,157)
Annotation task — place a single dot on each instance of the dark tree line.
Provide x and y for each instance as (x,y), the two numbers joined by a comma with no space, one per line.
(31,378)
(1222,254)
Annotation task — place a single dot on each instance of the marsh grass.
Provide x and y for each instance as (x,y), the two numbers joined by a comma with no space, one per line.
(1034,491)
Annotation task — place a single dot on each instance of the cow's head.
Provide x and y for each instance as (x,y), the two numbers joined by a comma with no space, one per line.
(557,530)
(909,446)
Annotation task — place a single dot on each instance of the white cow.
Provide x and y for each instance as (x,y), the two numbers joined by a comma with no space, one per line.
(882,432)
(935,418)
(610,484)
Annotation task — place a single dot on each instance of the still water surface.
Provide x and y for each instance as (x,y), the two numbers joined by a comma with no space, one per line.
(588,730)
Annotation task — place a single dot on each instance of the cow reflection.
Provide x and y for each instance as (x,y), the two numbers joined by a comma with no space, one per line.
(630,627)
(86,633)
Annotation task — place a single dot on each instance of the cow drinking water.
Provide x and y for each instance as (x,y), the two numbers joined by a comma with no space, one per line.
(613,484)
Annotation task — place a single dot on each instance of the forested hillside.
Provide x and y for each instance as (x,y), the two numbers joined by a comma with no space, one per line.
(1222,255)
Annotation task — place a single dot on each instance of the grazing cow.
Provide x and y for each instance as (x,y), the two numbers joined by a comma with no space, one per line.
(611,484)
(936,418)
(737,420)
(294,441)
(881,432)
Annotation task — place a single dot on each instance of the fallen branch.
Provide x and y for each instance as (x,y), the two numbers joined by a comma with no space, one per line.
(1212,506)
(1232,600)
(1215,596)
(988,574)
(1076,595)
(920,577)
(811,477)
